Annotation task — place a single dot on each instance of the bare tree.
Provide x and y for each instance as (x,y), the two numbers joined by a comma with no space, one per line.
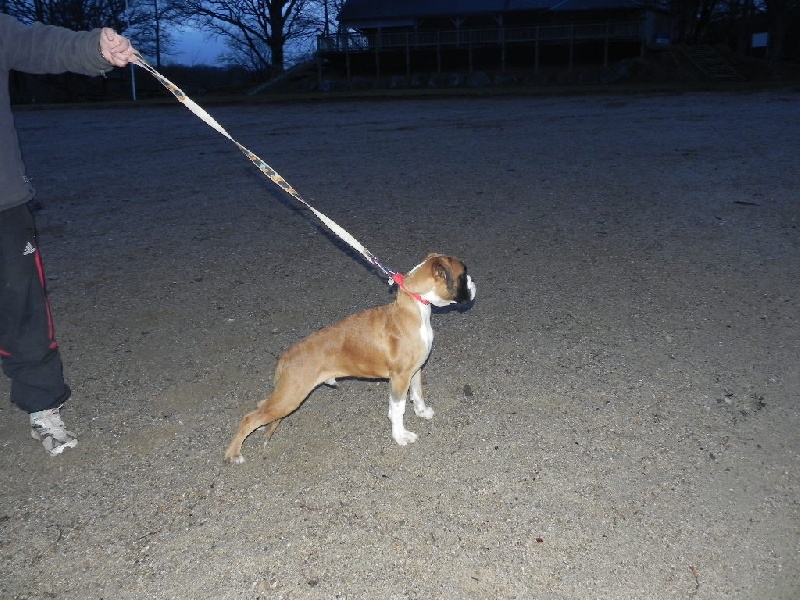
(146,22)
(695,16)
(255,29)
(330,13)
(74,14)
(150,23)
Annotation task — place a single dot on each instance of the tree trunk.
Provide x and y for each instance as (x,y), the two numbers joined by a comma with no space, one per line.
(277,40)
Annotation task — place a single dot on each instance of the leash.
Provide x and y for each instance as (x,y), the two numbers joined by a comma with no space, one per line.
(275,177)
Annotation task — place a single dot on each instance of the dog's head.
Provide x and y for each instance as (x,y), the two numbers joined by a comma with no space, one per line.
(441,280)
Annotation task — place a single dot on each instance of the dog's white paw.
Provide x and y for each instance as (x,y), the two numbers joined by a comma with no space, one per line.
(236,460)
(405,437)
(426,412)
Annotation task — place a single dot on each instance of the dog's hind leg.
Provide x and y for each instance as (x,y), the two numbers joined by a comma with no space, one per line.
(282,401)
(270,430)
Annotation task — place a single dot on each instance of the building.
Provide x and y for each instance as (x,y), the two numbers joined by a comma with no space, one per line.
(396,36)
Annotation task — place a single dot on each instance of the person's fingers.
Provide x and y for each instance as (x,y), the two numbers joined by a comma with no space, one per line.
(116,48)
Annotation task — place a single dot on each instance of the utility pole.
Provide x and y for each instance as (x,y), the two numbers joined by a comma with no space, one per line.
(132,67)
(158,33)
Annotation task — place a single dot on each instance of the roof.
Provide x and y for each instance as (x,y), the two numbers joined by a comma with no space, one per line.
(360,10)
(357,10)
(596,4)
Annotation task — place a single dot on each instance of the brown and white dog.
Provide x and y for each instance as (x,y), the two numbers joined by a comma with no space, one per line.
(387,342)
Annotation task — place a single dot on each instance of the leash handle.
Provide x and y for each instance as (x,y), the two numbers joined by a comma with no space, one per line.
(262,166)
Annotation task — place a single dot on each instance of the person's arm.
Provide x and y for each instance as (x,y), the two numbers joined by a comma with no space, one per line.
(41,48)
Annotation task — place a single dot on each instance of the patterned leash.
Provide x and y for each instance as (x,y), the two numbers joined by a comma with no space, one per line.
(275,177)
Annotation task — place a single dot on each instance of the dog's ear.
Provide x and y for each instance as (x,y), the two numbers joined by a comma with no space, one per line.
(441,270)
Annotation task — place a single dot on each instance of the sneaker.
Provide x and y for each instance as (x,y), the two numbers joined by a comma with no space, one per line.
(48,428)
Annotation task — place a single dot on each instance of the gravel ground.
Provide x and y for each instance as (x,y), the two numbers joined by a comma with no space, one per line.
(617,414)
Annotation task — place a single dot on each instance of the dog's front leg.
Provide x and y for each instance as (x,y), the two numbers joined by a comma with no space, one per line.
(397,408)
(415,391)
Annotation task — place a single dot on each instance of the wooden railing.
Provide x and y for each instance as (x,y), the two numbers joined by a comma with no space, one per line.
(388,40)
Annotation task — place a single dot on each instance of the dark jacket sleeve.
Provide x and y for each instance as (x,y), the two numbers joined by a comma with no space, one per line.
(36,49)
(41,48)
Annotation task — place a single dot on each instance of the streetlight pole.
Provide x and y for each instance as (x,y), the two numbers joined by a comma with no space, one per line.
(133,72)
(158,34)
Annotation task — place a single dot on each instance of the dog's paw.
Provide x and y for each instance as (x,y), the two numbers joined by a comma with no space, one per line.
(426,412)
(405,437)
(236,459)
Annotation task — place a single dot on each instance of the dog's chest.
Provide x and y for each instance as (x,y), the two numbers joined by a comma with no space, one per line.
(425,329)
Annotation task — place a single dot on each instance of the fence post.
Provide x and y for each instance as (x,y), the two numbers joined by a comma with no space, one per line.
(408,55)
(378,40)
(438,52)
(347,58)
(471,58)
(502,48)
(643,38)
(571,44)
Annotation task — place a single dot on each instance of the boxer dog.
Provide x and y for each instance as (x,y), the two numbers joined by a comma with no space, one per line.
(387,342)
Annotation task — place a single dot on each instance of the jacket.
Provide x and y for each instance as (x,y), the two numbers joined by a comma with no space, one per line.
(36,48)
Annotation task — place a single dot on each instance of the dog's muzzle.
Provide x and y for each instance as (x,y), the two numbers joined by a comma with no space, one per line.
(466,289)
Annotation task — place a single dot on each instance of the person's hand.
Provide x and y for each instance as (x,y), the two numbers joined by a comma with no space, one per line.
(116,49)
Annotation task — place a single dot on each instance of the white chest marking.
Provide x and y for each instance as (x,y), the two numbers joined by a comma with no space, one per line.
(425,329)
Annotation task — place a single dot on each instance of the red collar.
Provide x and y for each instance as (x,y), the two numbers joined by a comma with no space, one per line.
(398,279)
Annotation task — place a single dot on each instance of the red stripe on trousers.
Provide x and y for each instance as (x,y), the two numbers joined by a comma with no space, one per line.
(51,333)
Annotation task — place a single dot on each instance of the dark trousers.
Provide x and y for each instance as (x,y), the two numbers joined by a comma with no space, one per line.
(28,346)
